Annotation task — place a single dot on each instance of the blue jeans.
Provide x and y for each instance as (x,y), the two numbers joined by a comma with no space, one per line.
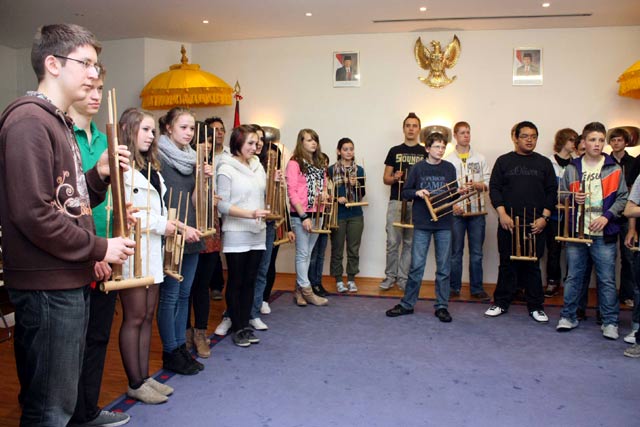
(304,246)
(419,251)
(49,346)
(173,308)
(316,265)
(603,254)
(263,269)
(474,227)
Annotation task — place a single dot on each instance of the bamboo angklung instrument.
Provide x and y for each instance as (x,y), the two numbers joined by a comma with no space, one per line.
(477,200)
(443,200)
(204,194)
(567,203)
(524,241)
(404,204)
(174,243)
(321,218)
(119,209)
(356,194)
(274,191)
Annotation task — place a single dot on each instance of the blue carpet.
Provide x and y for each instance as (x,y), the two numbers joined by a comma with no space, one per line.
(347,364)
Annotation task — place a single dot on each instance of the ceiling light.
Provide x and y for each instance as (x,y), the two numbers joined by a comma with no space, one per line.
(308,14)
(206,21)
(423,9)
(546,4)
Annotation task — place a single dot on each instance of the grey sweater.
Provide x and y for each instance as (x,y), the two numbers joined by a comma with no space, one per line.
(178,182)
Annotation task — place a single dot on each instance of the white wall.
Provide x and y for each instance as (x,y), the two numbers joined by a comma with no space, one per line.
(8,71)
(287,83)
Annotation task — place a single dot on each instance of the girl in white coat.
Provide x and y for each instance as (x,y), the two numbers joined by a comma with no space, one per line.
(138,304)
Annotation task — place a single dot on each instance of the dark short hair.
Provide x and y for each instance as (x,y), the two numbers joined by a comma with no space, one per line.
(527,55)
(561,138)
(593,127)
(212,120)
(459,125)
(412,116)
(434,137)
(58,39)
(522,125)
(617,133)
(238,137)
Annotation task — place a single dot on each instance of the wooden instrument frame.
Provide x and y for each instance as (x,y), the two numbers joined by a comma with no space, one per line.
(174,244)
(326,212)
(204,191)
(567,205)
(446,198)
(521,236)
(275,195)
(119,209)
(357,188)
(403,206)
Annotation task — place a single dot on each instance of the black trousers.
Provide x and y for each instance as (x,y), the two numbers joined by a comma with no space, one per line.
(242,269)
(101,309)
(199,297)
(216,281)
(271,274)
(519,274)
(554,251)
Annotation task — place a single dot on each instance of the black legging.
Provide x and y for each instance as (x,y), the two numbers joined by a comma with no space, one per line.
(199,297)
(242,270)
(138,309)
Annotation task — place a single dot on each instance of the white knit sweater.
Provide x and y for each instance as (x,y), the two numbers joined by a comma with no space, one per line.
(241,186)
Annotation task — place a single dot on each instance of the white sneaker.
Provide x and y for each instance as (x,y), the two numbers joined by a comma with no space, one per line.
(386,284)
(630,338)
(352,286)
(340,287)
(258,324)
(609,331)
(494,311)
(539,316)
(264,308)
(565,324)
(223,328)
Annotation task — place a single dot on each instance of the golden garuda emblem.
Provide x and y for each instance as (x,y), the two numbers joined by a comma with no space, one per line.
(437,61)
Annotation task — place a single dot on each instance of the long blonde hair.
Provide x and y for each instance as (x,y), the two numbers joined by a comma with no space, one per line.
(301,155)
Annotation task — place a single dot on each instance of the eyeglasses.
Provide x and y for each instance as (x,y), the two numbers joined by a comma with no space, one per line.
(87,64)
(525,136)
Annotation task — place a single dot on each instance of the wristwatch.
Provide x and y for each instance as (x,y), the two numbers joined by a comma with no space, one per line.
(303,216)
(547,218)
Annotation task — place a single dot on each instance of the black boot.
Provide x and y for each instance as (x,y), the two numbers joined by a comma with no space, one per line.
(319,290)
(189,360)
(174,361)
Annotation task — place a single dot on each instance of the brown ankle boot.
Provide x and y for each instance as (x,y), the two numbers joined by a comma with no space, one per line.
(311,298)
(189,339)
(298,299)
(200,343)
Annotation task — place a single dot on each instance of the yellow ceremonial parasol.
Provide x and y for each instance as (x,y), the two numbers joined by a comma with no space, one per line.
(630,82)
(185,85)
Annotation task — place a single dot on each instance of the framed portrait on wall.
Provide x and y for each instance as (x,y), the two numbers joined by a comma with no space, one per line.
(346,69)
(527,66)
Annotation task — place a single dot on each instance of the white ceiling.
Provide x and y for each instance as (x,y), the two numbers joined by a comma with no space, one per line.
(181,20)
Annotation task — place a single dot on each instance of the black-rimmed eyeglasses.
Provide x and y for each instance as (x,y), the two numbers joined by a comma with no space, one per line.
(87,64)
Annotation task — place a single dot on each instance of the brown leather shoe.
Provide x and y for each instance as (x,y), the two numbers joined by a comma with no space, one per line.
(311,298)
(200,343)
